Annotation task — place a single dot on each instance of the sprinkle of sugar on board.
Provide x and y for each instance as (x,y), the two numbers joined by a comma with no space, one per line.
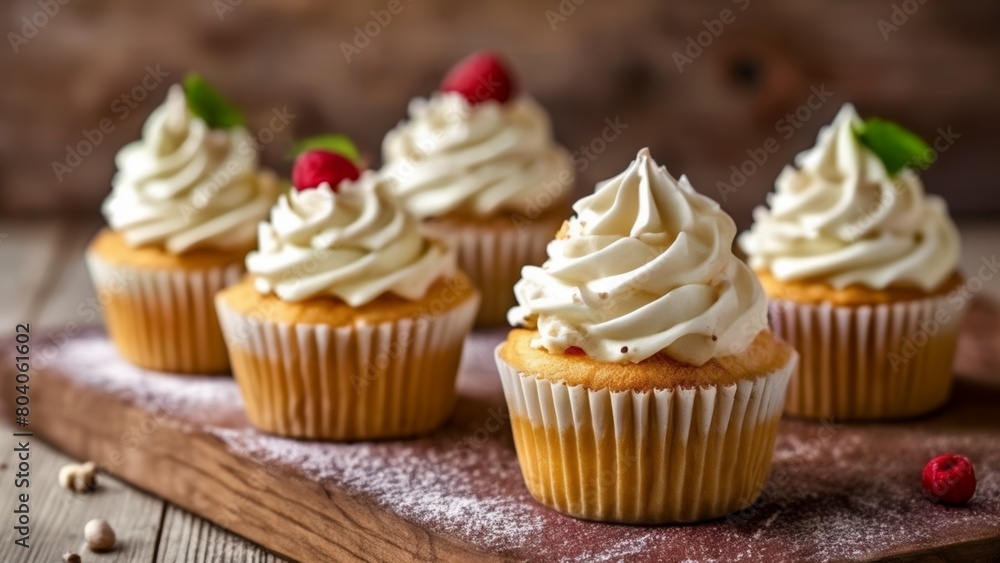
(835,491)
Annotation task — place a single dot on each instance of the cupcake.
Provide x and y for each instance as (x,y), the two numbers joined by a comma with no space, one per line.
(350,323)
(644,386)
(858,263)
(181,218)
(477,164)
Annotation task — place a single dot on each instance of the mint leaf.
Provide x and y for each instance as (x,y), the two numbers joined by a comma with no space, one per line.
(334,142)
(895,146)
(205,102)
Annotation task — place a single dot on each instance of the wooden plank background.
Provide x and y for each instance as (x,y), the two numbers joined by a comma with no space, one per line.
(606,60)
(43,280)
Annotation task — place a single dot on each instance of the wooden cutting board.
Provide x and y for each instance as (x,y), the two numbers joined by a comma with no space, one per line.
(836,491)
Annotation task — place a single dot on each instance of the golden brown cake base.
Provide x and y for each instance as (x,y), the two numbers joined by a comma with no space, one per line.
(493,250)
(764,355)
(645,456)
(813,291)
(867,354)
(321,369)
(158,307)
(111,247)
(441,296)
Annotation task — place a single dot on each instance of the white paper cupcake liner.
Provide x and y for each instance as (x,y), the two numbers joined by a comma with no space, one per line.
(164,319)
(661,456)
(356,382)
(493,257)
(869,362)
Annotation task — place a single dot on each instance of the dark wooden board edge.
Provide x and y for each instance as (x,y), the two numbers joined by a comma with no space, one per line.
(983,550)
(282,511)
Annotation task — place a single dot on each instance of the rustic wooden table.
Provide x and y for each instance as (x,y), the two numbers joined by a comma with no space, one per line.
(43,281)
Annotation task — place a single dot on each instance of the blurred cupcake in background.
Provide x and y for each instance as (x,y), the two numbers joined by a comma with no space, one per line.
(644,386)
(477,163)
(181,215)
(858,262)
(350,324)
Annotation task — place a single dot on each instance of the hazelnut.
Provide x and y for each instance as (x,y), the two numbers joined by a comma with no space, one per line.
(71,557)
(80,478)
(99,535)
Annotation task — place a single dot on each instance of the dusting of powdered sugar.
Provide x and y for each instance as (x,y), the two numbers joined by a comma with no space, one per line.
(836,491)
(93,361)
(466,494)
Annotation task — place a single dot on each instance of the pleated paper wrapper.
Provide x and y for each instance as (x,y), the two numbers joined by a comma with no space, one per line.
(653,457)
(493,257)
(358,382)
(869,362)
(164,319)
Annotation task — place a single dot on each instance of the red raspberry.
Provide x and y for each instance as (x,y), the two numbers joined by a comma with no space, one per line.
(479,77)
(574,351)
(314,167)
(949,478)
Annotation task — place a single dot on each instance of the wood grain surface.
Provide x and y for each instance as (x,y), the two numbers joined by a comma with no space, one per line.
(605,60)
(135,515)
(44,281)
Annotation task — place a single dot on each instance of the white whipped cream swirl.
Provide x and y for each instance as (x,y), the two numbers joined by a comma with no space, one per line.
(841,219)
(355,244)
(184,186)
(646,267)
(452,157)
